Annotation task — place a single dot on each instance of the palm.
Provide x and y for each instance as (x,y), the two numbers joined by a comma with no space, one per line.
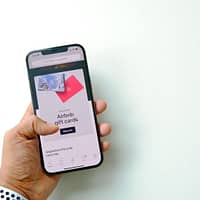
(25,166)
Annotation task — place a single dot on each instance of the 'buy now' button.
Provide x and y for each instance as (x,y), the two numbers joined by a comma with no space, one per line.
(68,130)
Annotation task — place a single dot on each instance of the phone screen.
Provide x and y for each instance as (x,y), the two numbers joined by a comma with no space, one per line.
(61,94)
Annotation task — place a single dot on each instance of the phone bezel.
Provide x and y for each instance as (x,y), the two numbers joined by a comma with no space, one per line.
(88,80)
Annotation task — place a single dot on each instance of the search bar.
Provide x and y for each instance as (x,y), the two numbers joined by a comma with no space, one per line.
(43,62)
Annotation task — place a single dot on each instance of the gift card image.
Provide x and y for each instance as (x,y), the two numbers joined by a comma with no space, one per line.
(56,82)
(52,82)
(72,87)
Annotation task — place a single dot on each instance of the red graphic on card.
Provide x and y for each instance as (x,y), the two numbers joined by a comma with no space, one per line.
(72,87)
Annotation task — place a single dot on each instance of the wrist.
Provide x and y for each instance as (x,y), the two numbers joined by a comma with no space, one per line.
(8,194)
(12,185)
(14,189)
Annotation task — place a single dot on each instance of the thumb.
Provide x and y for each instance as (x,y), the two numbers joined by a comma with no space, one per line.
(33,126)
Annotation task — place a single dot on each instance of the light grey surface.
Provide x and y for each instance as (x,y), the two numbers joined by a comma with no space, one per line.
(144,60)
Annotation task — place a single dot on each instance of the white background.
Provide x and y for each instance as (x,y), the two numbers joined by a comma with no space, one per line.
(144,60)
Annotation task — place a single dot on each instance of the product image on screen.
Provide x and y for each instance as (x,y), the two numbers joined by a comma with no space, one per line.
(60,96)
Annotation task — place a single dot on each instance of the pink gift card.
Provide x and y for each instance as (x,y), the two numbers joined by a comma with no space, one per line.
(72,87)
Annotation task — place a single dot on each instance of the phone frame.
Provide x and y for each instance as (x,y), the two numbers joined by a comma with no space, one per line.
(88,81)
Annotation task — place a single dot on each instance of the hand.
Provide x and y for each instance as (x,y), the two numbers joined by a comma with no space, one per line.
(21,169)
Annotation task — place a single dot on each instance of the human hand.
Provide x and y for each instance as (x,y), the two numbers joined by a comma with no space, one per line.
(21,169)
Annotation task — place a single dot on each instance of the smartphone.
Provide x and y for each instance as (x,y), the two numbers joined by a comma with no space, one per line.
(61,94)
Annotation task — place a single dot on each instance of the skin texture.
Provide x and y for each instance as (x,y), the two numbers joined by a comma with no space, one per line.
(21,169)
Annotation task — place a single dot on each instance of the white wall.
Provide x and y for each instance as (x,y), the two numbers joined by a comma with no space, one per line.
(144,60)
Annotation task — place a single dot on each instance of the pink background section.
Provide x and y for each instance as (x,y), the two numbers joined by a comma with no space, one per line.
(72,87)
